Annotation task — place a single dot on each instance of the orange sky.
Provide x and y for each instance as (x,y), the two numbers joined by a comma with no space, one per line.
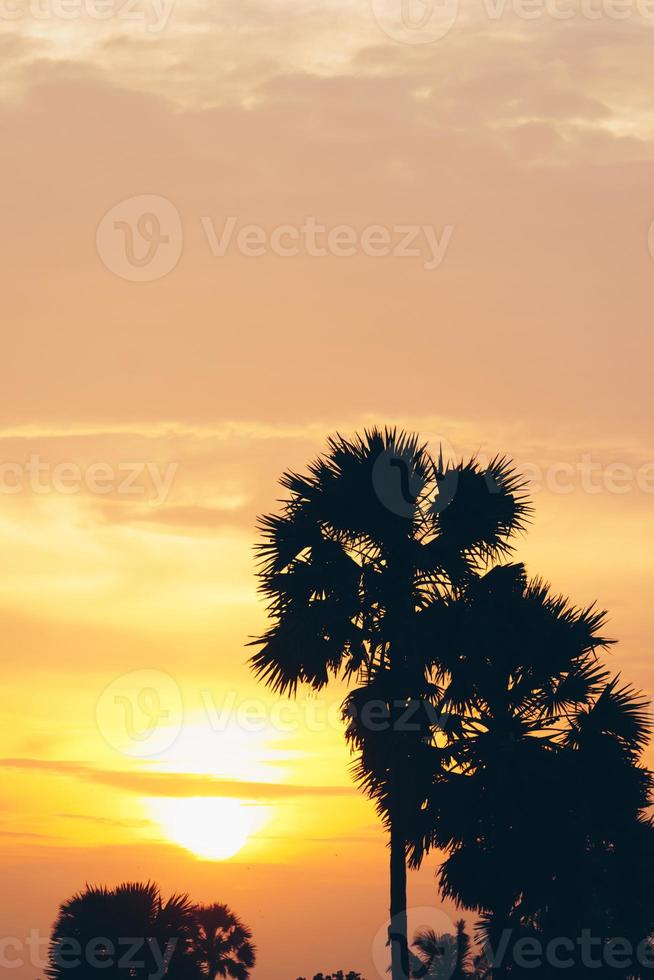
(533,142)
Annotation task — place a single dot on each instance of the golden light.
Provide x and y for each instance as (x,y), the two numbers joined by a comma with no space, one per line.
(212,828)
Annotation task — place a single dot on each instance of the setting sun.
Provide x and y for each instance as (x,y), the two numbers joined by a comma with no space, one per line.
(212,828)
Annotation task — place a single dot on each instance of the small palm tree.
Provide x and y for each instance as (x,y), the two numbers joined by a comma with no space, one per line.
(442,957)
(130,931)
(124,932)
(223,943)
(366,550)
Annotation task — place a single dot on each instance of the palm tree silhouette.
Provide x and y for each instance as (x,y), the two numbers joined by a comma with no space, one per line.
(442,957)
(355,569)
(542,808)
(602,881)
(128,931)
(223,943)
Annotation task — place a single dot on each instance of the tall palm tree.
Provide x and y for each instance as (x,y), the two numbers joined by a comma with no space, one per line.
(367,547)
(223,943)
(124,932)
(542,809)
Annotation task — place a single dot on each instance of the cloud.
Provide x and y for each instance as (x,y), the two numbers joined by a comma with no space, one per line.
(198,518)
(174,784)
(20,834)
(521,155)
(105,821)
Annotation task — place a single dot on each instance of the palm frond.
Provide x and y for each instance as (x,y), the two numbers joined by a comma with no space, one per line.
(620,713)
(486,507)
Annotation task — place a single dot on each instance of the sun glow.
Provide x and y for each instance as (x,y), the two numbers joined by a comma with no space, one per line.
(213,828)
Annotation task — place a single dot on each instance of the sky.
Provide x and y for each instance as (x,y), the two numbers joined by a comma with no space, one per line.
(229,230)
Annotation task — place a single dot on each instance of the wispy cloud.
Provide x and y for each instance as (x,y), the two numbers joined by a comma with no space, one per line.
(174,784)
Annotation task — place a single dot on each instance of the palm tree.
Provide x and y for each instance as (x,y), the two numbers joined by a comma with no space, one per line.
(223,943)
(542,809)
(367,547)
(442,957)
(124,932)
(130,931)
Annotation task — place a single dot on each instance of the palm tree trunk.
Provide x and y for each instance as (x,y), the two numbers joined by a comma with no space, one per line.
(400,623)
(397,931)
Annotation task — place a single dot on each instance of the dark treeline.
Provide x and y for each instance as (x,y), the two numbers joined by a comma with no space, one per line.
(132,931)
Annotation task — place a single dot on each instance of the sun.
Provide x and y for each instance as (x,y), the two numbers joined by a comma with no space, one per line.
(212,828)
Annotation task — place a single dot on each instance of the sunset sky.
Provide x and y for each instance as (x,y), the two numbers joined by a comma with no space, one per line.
(532,141)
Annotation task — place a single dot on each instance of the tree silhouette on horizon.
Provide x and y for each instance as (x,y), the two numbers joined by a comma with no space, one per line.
(91,935)
(223,942)
(131,932)
(338,975)
(442,956)
(354,568)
